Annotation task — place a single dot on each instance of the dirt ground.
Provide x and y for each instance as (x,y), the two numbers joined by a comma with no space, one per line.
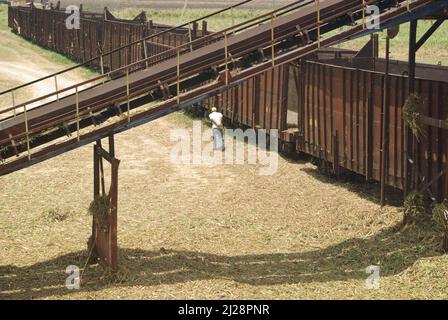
(201,232)
(15,73)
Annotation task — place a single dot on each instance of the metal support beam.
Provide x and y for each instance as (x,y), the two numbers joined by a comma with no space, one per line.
(104,229)
(273,39)
(13,102)
(127,95)
(145,53)
(385,125)
(318,23)
(226,53)
(56,87)
(27,133)
(410,163)
(428,34)
(178,76)
(112,145)
(77,113)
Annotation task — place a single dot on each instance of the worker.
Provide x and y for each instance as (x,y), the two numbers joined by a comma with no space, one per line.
(216,119)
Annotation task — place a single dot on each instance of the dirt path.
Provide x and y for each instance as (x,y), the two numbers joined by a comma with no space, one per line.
(16,73)
(205,232)
(202,232)
(19,73)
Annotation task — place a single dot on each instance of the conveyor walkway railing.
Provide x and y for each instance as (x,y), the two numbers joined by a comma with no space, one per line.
(103,56)
(271,39)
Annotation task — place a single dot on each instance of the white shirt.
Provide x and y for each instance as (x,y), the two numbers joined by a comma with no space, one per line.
(216,118)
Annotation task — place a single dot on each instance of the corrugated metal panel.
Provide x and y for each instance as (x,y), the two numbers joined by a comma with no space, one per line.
(47,28)
(257,102)
(349,102)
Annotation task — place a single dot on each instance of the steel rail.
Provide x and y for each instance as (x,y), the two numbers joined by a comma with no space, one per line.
(299,3)
(127,95)
(285,9)
(38,129)
(212,89)
(64,119)
(174,50)
(86,63)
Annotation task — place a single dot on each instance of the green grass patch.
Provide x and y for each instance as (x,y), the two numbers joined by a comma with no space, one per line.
(434,51)
(14,47)
(173,17)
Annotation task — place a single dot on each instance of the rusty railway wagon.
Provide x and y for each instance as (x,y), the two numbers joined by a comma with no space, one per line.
(329,108)
(334,106)
(333,109)
(99,33)
(342,110)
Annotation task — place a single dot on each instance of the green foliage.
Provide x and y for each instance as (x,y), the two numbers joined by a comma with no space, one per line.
(411,113)
(414,207)
(440,216)
(172,17)
(99,208)
(3,17)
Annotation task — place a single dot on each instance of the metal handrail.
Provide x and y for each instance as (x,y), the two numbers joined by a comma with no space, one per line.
(282,60)
(85,63)
(173,50)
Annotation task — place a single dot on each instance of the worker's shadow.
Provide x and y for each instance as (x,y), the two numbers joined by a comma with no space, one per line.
(393,249)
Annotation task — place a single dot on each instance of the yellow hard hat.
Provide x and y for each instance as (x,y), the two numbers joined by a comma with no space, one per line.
(214,109)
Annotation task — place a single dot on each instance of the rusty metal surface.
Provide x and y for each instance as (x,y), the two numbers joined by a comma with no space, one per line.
(264,101)
(336,99)
(203,58)
(199,59)
(422,71)
(259,102)
(340,109)
(104,228)
(98,33)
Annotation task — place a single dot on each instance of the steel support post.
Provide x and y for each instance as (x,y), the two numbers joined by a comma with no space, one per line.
(104,229)
(410,164)
(385,125)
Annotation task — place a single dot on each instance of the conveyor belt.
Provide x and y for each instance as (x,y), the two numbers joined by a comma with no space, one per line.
(294,35)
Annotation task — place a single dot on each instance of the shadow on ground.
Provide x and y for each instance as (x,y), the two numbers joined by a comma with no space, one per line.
(368,190)
(393,248)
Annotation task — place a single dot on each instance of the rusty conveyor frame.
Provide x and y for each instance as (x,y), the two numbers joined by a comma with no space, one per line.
(181,100)
(141,41)
(80,113)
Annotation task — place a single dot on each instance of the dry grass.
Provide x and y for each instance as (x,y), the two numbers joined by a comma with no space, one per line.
(414,207)
(200,232)
(22,62)
(411,114)
(100,208)
(440,216)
